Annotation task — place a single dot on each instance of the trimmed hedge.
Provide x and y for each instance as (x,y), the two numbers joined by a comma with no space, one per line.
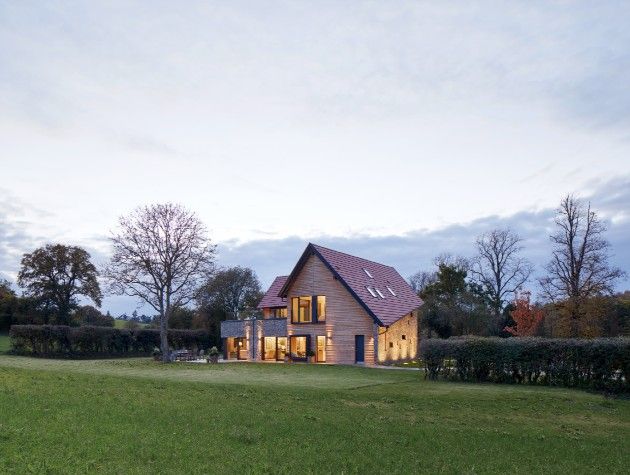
(602,364)
(77,342)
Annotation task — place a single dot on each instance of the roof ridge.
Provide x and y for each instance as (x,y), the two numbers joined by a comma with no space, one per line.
(351,255)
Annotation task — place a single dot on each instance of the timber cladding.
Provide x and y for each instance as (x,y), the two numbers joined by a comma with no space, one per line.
(345,317)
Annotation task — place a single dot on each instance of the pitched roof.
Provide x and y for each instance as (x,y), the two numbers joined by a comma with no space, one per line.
(392,299)
(271,298)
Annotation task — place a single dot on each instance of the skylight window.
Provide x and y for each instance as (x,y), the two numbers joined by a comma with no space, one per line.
(371,291)
(368,273)
(391,291)
(380,293)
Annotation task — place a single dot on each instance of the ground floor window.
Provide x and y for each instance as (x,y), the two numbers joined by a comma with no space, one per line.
(321,349)
(236,348)
(299,347)
(274,348)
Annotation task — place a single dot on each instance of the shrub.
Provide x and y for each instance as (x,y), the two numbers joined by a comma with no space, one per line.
(76,342)
(601,364)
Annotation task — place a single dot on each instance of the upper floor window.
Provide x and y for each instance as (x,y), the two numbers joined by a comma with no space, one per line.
(279,312)
(308,309)
(321,308)
(301,310)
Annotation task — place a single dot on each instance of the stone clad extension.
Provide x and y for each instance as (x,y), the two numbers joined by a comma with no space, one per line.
(332,308)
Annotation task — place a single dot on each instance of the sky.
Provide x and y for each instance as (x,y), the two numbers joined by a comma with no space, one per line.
(391,130)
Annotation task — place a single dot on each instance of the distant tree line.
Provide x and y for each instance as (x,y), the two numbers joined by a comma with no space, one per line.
(488,294)
(164,259)
(161,256)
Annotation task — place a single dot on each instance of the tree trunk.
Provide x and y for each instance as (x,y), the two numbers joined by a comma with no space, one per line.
(164,338)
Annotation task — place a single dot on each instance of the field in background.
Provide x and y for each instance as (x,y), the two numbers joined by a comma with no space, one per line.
(123,324)
(135,416)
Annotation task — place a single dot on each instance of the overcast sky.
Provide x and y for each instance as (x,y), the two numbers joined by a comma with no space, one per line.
(395,131)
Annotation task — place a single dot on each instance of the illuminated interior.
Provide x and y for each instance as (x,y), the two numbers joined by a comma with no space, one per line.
(279,312)
(274,348)
(298,347)
(321,349)
(236,348)
(303,308)
(321,308)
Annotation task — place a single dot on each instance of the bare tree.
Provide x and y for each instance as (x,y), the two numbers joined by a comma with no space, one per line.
(498,268)
(421,279)
(161,254)
(579,266)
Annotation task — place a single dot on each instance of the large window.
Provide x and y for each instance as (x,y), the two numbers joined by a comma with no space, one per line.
(298,347)
(237,348)
(274,348)
(301,310)
(308,309)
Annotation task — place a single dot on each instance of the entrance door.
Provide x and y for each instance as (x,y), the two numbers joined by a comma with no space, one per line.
(359,348)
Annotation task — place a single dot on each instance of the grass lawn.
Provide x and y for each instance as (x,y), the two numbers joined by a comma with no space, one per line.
(136,416)
(4,343)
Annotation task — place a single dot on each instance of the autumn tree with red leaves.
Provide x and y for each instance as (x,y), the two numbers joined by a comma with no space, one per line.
(527,319)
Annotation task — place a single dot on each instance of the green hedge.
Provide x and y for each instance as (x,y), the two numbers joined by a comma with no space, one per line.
(602,364)
(77,342)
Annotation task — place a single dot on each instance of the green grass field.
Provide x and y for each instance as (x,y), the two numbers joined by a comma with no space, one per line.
(4,343)
(137,416)
(123,324)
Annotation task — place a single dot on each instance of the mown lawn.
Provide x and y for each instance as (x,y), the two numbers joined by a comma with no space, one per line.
(136,416)
(4,343)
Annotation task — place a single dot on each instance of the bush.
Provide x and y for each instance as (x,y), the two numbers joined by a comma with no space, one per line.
(76,342)
(601,364)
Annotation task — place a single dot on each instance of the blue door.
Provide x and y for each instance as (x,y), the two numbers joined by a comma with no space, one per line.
(359,348)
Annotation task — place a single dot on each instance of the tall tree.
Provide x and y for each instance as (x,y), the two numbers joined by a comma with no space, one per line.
(58,275)
(499,269)
(579,267)
(161,254)
(453,306)
(235,290)
(7,305)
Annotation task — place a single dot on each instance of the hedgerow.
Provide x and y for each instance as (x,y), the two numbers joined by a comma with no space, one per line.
(601,364)
(77,342)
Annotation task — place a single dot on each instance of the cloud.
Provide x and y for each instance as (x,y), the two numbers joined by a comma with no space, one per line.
(15,233)
(415,250)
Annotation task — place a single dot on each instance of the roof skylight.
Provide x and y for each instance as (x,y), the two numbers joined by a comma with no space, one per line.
(391,291)
(368,273)
(380,293)
(371,291)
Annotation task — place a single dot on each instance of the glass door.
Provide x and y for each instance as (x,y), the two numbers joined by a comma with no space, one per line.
(321,349)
